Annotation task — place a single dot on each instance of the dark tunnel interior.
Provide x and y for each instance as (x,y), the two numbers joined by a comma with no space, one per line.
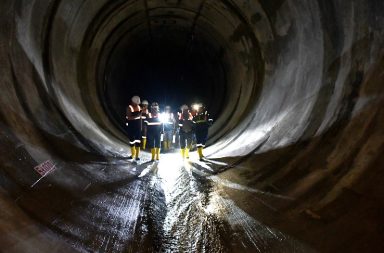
(178,57)
(172,67)
(294,157)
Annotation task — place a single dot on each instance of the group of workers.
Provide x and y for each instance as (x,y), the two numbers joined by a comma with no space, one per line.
(148,126)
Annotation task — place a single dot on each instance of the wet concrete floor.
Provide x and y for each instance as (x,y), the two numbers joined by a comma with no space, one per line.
(166,206)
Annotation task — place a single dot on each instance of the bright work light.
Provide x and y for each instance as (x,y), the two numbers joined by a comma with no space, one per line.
(196,106)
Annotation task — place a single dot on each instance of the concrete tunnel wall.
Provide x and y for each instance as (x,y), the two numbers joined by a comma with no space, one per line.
(298,73)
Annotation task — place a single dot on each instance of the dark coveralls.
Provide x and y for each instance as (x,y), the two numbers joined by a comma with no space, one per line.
(185,131)
(144,115)
(154,129)
(201,128)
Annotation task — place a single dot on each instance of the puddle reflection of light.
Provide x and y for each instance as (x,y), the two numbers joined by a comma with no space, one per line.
(205,166)
(214,206)
(175,175)
(216,162)
(170,170)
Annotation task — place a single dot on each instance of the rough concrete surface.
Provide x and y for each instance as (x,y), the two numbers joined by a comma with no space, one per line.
(295,156)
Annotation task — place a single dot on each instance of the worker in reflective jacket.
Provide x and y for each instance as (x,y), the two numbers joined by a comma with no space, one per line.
(134,126)
(202,123)
(169,127)
(144,115)
(154,131)
(185,131)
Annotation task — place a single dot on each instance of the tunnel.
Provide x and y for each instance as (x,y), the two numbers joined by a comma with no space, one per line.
(294,155)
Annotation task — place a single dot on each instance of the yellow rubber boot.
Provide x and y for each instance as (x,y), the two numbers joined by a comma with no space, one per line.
(153,152)
(137,152)
(144,142)
(157,153)
(133,152)
(200,152)
(187,153)
(183,153)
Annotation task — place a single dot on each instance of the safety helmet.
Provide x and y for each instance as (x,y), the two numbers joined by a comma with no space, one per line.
(145,102)
(136,100)
(155,105)
(184,107)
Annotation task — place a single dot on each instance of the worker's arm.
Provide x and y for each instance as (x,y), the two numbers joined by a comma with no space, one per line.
(128,113)
(209,120)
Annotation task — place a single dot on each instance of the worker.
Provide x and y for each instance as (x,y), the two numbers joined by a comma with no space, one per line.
(133,117)
(154,131)
(202,123)
(144,115)
(169,127)
(193,110)
(185,131)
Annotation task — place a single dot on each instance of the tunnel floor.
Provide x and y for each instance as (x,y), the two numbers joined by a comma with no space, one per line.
(166,206)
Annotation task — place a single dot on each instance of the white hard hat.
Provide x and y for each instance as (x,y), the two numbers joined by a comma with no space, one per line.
(145,102)
(135,99)
(184,107)
(155,106)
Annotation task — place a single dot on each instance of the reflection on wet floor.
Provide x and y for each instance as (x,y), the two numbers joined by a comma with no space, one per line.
(169,206)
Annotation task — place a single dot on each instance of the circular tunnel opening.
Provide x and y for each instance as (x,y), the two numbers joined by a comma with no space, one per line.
(174,56)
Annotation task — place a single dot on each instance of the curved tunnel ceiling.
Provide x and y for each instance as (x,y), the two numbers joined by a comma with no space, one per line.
(295,88)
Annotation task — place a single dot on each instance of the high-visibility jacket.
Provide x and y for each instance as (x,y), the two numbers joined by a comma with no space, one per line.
(144,113)
(153,123)
(201,118)
(135,112)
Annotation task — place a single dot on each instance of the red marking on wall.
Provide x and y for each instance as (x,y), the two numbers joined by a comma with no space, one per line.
(44,168)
